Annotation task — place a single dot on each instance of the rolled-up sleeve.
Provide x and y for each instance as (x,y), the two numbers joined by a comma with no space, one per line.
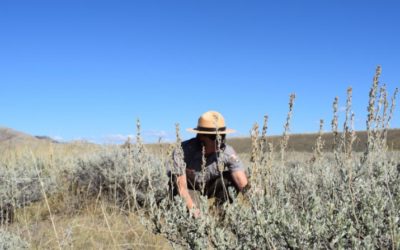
(232,160)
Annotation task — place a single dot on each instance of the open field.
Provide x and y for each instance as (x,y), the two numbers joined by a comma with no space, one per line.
(322,191)
(80,197)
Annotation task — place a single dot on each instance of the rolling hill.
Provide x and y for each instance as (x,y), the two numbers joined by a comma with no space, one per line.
(306,142)
(297,142)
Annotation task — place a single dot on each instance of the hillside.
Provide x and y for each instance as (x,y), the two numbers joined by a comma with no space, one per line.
(13,141)
(8,134)
(11,137)
(306,142)
(297,142)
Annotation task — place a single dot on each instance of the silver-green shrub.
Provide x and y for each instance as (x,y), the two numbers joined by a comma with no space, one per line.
(130,176)
(298,205)
(26,180)
(322,206)
(9,241)
(296,201)
(328,201)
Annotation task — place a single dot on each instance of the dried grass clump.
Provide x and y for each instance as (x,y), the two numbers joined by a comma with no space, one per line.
(129,176)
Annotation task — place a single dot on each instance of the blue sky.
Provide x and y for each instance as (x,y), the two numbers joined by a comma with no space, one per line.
(89,68)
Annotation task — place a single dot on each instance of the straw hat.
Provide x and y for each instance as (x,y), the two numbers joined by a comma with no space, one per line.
(209,123)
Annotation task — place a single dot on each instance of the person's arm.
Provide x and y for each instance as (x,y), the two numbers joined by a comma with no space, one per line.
(183,191)
(236,168)
(179,169)
(240,179)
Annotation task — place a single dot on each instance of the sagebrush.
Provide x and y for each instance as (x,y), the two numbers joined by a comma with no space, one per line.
(321,200)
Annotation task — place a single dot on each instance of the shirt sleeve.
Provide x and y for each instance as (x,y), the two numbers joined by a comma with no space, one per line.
(232,160)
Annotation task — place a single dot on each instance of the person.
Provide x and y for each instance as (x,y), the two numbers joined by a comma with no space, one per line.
(206,164)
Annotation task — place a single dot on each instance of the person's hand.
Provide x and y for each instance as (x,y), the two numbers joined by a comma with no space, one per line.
(195,212)
(246,189)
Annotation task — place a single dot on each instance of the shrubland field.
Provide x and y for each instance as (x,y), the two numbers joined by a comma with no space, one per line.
(334,190)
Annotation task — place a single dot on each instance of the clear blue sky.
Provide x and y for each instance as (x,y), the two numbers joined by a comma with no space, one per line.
(88,69)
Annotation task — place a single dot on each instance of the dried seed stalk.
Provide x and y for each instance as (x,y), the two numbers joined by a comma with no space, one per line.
(285,137)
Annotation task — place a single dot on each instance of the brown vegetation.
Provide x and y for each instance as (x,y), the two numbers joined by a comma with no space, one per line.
(306,142)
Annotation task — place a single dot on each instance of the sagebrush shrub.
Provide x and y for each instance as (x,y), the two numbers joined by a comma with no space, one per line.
(25,180)
(127,175)
(340,199)
(9,241)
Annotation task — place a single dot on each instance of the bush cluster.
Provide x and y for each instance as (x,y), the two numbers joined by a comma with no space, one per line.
(327,200)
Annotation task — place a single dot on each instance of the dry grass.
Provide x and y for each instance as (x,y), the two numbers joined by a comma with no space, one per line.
(96,224)
(306,142)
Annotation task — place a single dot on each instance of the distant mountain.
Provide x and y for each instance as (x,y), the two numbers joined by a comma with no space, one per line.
(297,142)
(46,138)
(10,136)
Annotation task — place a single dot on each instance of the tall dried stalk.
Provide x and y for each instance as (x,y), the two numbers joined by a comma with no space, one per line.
(285,136)
(255,152)
(220,163)
(348,135)
(203,169)
(178,154)
(270,161)
(334,124)
(383,103)
(390,115)
(378,120)
(344,148)
(371,119)
(255,146)
(263,141)
(139,140)
(319,144)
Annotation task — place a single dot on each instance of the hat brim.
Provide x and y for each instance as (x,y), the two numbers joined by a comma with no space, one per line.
(223,132)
